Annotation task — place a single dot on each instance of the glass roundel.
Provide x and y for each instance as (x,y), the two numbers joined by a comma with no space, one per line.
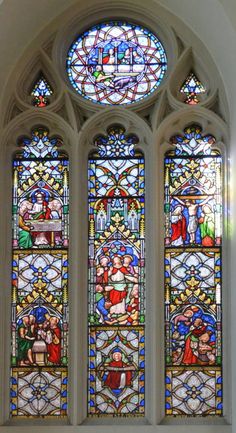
(116,63)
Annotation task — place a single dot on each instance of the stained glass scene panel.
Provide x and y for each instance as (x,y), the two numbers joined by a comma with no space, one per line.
(193,205)
(193,312)
(40,196)
(39,280)
(116,371)
(116,276)
(116,63)
(39,283)
(193,298)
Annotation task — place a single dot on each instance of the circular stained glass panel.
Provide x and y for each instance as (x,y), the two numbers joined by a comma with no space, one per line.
(116,63)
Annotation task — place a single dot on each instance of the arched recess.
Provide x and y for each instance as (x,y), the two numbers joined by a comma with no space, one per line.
(95,126)
(188,62)
(132,13)
(154,122)
(211,124)
(23,127)
(39,65)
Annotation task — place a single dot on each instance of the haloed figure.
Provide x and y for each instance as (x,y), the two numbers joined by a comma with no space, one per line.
(119,373)
(207,226)
(40,211)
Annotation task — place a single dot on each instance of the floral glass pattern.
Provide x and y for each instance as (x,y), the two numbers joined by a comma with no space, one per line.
(39,278)
(193,232)
(116,63)
(116,277)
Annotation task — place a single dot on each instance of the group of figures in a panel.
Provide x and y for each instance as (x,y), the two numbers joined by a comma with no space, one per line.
(116,63)
(117,290)
(39,285)
(116,282)
(193,276)
(40,204)
(39,278)
(193,297)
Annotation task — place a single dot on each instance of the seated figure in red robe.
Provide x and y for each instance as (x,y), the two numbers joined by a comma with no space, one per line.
(119,373)
(40,211)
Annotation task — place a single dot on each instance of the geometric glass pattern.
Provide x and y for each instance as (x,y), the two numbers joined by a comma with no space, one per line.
(193,279)
(191,392)
(41,90)
(116,276)
(39,393)
(192,87)
(116,63)
(39,278)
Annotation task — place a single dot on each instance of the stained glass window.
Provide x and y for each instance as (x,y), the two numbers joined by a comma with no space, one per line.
(193,231)
(116,276)
(39,278)
(41,92)
(192,87)
(116,63)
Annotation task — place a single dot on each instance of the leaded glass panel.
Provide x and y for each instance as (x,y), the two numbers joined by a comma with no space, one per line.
(193,233)
(116,63)
(41,93)
(192,88)
(39,278)
(116,277)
